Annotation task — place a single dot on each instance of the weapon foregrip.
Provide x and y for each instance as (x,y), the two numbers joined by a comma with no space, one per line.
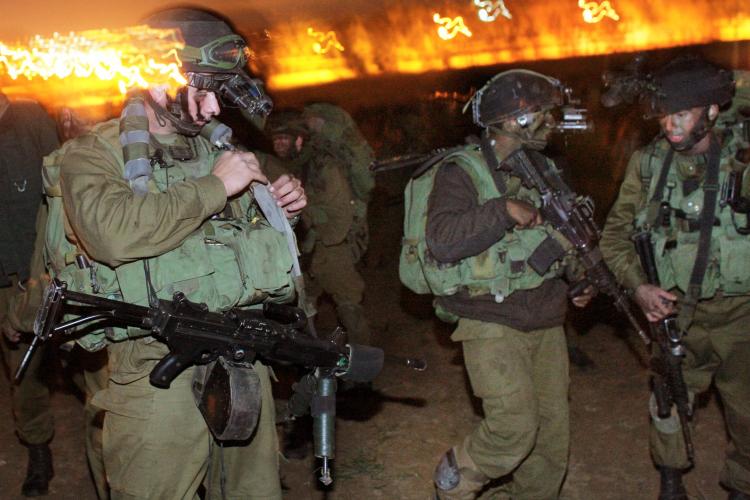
(168,368)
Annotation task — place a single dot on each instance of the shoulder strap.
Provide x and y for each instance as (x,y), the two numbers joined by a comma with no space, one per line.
(654,203)
(710,194)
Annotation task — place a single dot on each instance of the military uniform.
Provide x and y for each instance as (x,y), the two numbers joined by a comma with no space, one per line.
(27,133)
(145,428)
(515,353)
(329,222)
(717,341)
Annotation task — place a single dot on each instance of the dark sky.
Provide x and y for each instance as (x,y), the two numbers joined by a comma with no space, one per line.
(21,19)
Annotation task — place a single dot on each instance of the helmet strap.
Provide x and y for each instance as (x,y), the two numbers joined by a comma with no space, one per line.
(181,122)
(700,130)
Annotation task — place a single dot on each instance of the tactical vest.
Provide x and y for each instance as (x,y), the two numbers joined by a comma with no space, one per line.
(500,270)
(230,261)
(676,243)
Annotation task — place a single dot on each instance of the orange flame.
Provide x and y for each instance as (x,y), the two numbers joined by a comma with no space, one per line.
(91,67)
(594,12)
(449,28)
(324,42)
(402,39)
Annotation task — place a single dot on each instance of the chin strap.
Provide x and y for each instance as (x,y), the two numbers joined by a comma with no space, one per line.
(183,127)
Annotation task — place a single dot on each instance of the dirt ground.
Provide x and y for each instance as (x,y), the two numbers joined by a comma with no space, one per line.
(389,442)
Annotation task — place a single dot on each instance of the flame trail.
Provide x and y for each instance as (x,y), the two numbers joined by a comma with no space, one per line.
(91,67)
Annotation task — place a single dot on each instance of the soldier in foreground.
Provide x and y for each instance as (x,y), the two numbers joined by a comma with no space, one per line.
(150,209)
(700,245)
(477,253)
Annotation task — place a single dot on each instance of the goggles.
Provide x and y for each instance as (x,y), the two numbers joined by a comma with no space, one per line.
(227,52)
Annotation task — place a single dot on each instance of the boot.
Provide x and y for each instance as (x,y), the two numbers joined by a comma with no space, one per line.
(671,484)
(39,471)
(737,495)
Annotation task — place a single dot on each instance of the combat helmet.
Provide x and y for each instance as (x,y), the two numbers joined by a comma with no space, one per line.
(288,122)
(213,58)
(512,94)
(688,82)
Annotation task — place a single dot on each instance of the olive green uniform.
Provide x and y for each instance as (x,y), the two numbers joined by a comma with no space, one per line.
(513,342)
(27,133)
(156,443)
(717,341)
(330,221)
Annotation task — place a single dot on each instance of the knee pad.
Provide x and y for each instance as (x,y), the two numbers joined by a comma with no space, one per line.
(669,425)
(447,476)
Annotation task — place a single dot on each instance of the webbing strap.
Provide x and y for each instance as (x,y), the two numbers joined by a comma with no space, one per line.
(710,194)
(655,202)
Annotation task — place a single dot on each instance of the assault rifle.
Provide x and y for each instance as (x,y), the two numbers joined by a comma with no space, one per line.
(573,217)
(197,336)
(669,384)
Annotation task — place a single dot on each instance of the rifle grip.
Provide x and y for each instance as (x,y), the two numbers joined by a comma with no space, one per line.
(169,368)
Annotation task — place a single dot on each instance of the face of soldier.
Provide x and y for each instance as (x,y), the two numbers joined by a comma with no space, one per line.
(686,130)
(202,105)
(282,145)
(532,129)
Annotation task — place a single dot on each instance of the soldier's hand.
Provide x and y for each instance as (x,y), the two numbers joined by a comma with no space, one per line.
(525,214)
(584,298)
(656,303)
(289,194)
(10,334)
(237,170)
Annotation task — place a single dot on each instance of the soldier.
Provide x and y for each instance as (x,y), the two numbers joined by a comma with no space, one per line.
(676,176)
(335,221)
(27,133)
(484,226)
(150,226)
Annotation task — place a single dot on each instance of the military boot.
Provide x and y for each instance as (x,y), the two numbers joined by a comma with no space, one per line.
(737,495)
(671,484)
(39,471)
(355,323)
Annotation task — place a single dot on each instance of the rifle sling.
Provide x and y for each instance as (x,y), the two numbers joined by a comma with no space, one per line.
(710,194)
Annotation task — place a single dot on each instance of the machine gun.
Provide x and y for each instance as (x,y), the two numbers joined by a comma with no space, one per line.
(669,385)
(573,217)
(197,336)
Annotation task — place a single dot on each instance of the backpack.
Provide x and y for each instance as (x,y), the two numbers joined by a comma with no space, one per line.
(341,138)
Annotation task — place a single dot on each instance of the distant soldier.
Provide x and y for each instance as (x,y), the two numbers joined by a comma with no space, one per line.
(27,133)
(321,146)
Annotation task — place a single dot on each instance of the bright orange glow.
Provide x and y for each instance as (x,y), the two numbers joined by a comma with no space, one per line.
(402,39)
(594,12)
(449,28)
(324,41)
(489,10)
(91,67)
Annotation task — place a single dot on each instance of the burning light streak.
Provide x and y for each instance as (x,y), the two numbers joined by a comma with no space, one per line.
(488,11)
(324,42)
(450,27)
(594,12)
(69,66)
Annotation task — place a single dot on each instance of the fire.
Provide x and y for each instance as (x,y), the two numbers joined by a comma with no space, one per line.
(488,10)
(449,28)
(403,39)
(324,41)
(594,12)
(91,67)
